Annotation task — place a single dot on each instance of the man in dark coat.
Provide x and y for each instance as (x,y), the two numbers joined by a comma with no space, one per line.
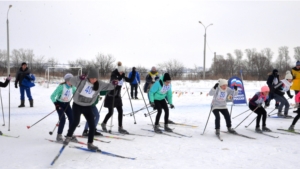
(22,73)
(273,79)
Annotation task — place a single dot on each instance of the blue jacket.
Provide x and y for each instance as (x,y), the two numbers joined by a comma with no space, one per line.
(137,78)
(28,81)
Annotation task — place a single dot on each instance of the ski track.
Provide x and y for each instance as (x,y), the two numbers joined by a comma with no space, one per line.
(31,150)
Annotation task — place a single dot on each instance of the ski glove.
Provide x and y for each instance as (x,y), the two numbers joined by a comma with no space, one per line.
(216,85)
(267,104)
(152,104)
(115,82)
(235,88)
(172,106)
(291,96)
(82,77)
(16,86)
(56,105)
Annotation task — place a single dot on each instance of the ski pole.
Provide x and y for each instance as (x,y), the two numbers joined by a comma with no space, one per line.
(151,113)
(231,109)
(251,122)
(130,103)
(247,117)
(41,119)
(207,120)
(240,114)
(271,112)
(2,109)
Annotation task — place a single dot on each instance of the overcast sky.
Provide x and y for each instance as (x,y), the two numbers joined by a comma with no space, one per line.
(146,33)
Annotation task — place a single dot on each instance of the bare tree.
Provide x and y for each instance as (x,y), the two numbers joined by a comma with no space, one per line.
(297,53)
(173,67)
(283,59)
(105,63)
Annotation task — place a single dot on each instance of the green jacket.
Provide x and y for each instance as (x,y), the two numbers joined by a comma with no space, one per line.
(58,91)
(156,92)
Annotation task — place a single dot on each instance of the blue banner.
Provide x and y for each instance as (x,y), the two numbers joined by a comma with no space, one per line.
(241,97)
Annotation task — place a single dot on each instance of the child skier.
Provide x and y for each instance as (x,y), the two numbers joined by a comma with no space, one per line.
(61,98)
(4,85)
(255,105)
(279,90)
(221,93)
(86,94)
(297,100)
(114,100)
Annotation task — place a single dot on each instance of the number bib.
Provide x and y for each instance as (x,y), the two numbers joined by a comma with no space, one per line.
(87,90)
(165,89)
(120,83)
(66,94)
(221,96)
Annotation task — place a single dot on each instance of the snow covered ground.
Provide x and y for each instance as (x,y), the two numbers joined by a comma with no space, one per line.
(31,150)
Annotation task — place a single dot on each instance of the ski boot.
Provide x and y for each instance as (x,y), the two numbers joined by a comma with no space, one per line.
(264,128)
(1,133)
(97,133)
(67,140)
(90,146)
(136,98)
(122,131)
(157,130)
(167,128)
(218,132)
(74,139)
(22,104)
(291,128)
(170,122)
(85,133)
(103,125)
(279,114)
(258,130)
(287,116)
(231,130)
(59,138)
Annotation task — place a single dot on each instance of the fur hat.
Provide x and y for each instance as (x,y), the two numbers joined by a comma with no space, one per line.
(166,77)
(288,75)
(223,82)
(120,67)
(298,63)
(93,73)
(68,76)
(265,89)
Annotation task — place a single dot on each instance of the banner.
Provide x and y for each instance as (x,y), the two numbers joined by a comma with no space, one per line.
(241,97)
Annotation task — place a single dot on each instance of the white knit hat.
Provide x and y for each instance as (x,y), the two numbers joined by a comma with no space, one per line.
(222,82)
(68,76)
(120,67)
(288,75)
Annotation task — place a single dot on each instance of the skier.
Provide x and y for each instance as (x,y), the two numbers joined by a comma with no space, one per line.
(296,77)
(273,79)
(61,98)
(86,94)
(221,93)
(7,80)
(255,105)
(297,100)
(113,98)
(96,119)
(279,90)
(20,75)
(150,80)
(158,92)
(134,84)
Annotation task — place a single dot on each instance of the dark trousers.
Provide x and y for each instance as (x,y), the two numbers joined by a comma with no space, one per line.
(89,116)
(110,113)
(28,93)
(260,112)
(226,116)
(96,115)
(61,109)
(133,87)
(159,105)
(297,117)
(296,92)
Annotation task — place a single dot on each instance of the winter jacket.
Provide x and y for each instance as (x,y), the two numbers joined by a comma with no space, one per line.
(56,95)
(150,80)
(20,75)
(282,87)
(220,97)
(297,98)
(258,99)
(4,84)
(273,79)
(296,81)
(136,79)
(85,95)
(115,95)
(159,91)
(28,81)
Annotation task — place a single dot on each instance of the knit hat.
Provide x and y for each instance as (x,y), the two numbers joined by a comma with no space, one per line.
(120,67)
(265,89)
(24,63)
(68,76)
(93,73)
(166,77)
(222,82)
(275,71)
(288,75)
(298,63)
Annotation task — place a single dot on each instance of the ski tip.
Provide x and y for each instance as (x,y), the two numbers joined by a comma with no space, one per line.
(28,127)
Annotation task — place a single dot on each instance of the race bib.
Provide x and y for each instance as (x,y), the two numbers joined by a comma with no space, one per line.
(222,96)
(165,89)
(120,83)
(66,94)
(87,90)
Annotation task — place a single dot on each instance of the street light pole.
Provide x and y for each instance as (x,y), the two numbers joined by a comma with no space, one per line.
(204,51)
(8,68)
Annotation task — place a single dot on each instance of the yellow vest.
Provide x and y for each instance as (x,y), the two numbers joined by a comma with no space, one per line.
(296,81)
